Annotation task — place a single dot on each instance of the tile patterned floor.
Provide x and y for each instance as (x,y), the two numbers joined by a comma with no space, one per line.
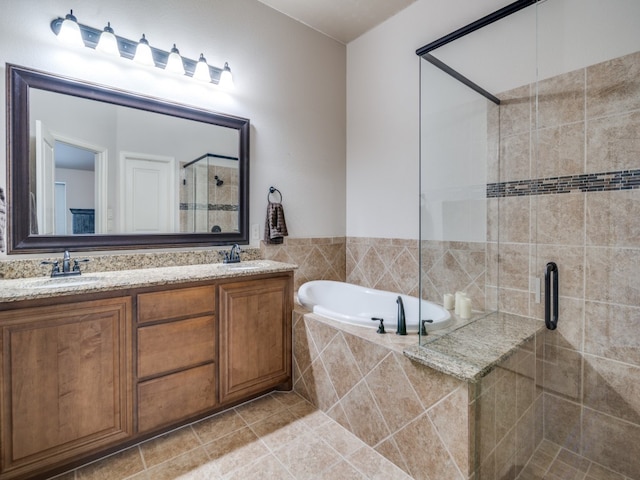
(277,436)
(552,462)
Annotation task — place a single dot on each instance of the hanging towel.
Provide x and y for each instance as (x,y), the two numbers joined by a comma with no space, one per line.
(275,227)
(3,216)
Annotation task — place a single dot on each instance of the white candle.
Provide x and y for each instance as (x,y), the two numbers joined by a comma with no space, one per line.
(449,301)
(465,307)
(458,302)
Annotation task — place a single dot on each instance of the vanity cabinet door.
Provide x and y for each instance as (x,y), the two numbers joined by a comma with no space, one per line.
(255,336)
(66,383)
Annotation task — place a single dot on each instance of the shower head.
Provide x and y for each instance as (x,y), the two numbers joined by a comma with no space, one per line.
(218,181)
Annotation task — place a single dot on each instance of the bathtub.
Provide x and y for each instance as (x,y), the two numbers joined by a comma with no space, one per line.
(356,305)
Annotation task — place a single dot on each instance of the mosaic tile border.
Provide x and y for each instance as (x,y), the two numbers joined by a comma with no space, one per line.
(589,182)
(223,207)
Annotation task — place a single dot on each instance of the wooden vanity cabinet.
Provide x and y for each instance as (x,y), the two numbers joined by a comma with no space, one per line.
(66,383)
(255,336)
(83,378)
(176,355)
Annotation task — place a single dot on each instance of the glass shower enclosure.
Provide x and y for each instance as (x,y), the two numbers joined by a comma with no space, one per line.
(530,134)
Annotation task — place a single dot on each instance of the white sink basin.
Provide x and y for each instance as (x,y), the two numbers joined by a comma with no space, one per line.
(59,282)
(244,266)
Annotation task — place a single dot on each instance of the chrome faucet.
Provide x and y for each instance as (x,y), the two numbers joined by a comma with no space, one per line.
(66,262)
(402,322)
(233,256)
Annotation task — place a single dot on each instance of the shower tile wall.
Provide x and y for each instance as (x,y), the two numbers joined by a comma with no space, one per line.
(570,193)
(203,204)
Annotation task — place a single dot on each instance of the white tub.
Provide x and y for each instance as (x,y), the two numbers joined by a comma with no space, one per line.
(357,305)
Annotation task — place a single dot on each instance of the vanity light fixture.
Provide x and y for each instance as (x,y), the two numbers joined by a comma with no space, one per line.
(171,61)
(174,62)
(108,43)
(202,70)
(226,79)
(69,33)
(143,54)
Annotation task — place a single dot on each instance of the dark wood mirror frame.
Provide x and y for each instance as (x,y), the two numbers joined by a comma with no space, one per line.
(19,81)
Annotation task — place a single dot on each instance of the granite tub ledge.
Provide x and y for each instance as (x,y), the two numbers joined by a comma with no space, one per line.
(472,351)
(31,288)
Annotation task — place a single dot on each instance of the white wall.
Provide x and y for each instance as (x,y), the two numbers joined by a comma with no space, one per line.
(290,82)
(383,115)
(383,86)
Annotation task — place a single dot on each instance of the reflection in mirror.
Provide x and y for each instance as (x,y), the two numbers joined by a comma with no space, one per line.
(95,168)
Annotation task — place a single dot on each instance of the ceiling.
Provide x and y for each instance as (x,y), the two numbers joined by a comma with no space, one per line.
(342,20)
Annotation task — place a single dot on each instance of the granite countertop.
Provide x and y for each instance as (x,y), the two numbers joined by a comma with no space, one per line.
(45,287)
(472,351)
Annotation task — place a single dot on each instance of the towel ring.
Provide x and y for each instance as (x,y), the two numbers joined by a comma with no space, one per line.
(273,190)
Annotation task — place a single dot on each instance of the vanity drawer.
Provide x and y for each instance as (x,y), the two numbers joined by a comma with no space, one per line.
(175,397)
(166,347)
(181,303)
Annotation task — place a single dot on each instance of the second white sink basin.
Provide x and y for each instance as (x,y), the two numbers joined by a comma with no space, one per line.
(59,282)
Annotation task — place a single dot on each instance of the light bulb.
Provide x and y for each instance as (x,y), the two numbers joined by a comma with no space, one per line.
(108,43)
(143,54)
(174,62)
(202,70)
(226,79)
(69,33)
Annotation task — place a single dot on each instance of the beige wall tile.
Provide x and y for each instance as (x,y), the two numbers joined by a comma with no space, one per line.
(364,416)
(613,86)
(562,424)
(514,219)
(613,143)
(515,157)
(612,275)
(562,219)
(612,332)
(612,387)
(607,221)
(621,450)
(561,99)
(515,111)
(340,365)
(399,404)
(562,371)
(451,422)
(424,453)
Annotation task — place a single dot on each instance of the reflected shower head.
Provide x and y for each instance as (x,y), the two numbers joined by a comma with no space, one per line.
(218,181)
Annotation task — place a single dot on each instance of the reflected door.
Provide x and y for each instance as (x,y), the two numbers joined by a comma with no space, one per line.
(148,193)
(45,168)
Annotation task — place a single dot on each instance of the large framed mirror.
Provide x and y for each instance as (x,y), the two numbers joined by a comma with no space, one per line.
(95,168)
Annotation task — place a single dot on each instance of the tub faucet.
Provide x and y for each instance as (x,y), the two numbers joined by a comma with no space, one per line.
(402,323)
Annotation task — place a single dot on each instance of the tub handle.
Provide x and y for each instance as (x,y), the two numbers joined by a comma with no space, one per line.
(549,292)
(423,329)
(381,327)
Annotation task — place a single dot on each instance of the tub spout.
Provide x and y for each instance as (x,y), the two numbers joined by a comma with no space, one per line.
(402,322)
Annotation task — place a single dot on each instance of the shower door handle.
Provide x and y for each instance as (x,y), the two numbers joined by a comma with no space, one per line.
(550,320)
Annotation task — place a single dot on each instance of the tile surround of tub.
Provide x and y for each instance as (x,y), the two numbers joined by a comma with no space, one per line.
(589,124)
(360,382)
(316,258)
(392,404)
